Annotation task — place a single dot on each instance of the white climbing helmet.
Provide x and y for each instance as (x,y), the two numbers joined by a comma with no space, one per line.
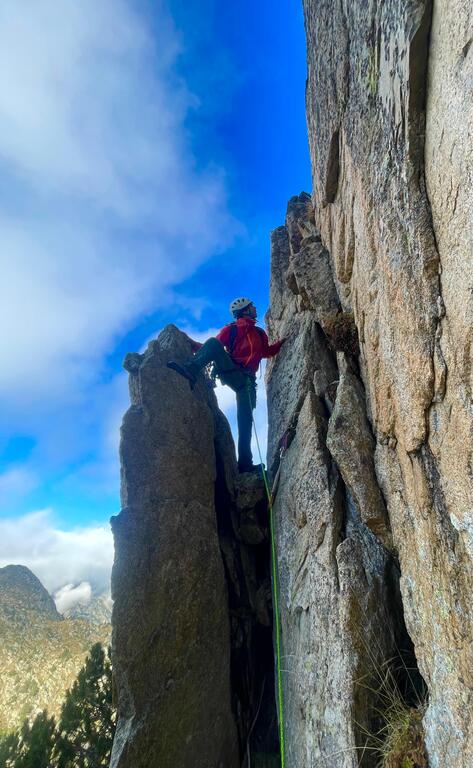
(238,304)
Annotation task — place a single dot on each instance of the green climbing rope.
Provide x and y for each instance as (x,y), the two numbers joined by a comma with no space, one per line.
(277,617)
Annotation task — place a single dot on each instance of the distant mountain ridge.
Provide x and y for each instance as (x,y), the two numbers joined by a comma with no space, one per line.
(98,610)
(41,652)
(22,596)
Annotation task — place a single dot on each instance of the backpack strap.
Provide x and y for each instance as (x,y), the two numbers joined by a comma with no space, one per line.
(234,332)
(233,335)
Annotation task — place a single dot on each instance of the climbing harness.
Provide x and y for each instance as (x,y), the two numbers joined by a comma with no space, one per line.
(277,617)
(232,339)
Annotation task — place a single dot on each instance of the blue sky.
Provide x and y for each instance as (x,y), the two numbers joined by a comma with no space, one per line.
(144,157)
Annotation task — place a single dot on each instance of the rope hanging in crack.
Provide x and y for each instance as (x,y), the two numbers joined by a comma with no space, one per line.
(277,618)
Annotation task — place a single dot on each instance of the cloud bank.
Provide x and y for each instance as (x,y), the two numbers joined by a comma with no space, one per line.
(71,595)
(104,205)
(58,557)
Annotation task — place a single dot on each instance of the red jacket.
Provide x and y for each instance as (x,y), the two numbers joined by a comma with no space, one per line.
(251,343)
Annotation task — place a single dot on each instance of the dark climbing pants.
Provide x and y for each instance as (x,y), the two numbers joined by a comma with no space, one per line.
(242,383)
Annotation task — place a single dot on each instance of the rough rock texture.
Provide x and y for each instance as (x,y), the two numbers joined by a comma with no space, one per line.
(191,619)
(337,579)
(380,271)
(449,176)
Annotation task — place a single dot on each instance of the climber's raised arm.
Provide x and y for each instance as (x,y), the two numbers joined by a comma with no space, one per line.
(273,349)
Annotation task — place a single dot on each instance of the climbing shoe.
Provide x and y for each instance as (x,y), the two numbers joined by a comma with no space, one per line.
(184,370)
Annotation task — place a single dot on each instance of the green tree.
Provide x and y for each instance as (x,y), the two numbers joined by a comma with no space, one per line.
(8,749)
(36,743)
(85,731)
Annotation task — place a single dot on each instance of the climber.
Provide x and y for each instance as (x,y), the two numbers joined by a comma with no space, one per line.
(236,353)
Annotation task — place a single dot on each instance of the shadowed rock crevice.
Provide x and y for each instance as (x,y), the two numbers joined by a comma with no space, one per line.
(242,523)
(418,62)
(351,443)
(333,168)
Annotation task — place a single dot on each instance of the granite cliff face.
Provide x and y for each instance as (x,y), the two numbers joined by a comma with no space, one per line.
(341,609)
(374,276)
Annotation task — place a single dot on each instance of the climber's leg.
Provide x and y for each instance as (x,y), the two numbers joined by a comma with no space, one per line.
(212,351)
(246,402)
(231,374)
(245,387)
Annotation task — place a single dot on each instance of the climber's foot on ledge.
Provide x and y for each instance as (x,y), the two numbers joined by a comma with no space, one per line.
(184,371)
(250,467)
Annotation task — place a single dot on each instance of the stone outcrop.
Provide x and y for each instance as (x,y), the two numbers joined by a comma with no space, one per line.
(339,604)
(192,650)
(374,276)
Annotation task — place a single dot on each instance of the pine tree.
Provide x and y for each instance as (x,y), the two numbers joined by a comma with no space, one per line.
(86,728)
(36,743)
(8,750)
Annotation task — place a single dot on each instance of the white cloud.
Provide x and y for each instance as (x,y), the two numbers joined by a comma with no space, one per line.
(105,208)
(227,403)
(71,595)
(56,556)
(17,480)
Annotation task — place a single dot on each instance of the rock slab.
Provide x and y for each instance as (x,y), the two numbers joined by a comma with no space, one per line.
(389,111)
(337,575)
